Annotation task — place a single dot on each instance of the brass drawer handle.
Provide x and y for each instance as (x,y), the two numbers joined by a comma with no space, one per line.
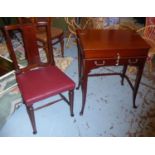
(132,61)
(99,64)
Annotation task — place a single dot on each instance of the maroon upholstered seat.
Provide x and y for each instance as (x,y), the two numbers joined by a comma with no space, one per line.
(38,80)
(42,83)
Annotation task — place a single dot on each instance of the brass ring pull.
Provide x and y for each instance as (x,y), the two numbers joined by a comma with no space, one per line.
(132,61)
(99,64)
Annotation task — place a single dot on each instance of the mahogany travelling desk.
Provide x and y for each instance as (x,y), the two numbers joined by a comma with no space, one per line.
(98,48)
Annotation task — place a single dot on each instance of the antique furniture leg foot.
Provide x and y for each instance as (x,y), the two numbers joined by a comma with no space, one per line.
(30,112)
(81,113)
(137,82)
(34,132)
(79,84)
(134,102)
(84,92)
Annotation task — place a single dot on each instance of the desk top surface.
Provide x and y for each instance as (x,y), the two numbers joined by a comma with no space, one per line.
(92,39)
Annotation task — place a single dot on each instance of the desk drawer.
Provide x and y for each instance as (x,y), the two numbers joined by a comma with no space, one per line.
(114,53)
(115,62)
(131,61)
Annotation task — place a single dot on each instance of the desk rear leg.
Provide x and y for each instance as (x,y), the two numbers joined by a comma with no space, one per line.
(123,74)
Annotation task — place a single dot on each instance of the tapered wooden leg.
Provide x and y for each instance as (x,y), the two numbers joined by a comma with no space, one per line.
(137,82)
(79,66)
(71,100)
(123,74)
(30,112)
(84,92)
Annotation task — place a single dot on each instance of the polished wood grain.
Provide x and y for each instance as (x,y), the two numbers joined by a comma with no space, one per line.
(95,41)
(97,48)
(38,79)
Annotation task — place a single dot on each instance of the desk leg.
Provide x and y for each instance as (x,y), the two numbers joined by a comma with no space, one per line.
(79,67)
(137,81)
(123,74)
(84,91)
